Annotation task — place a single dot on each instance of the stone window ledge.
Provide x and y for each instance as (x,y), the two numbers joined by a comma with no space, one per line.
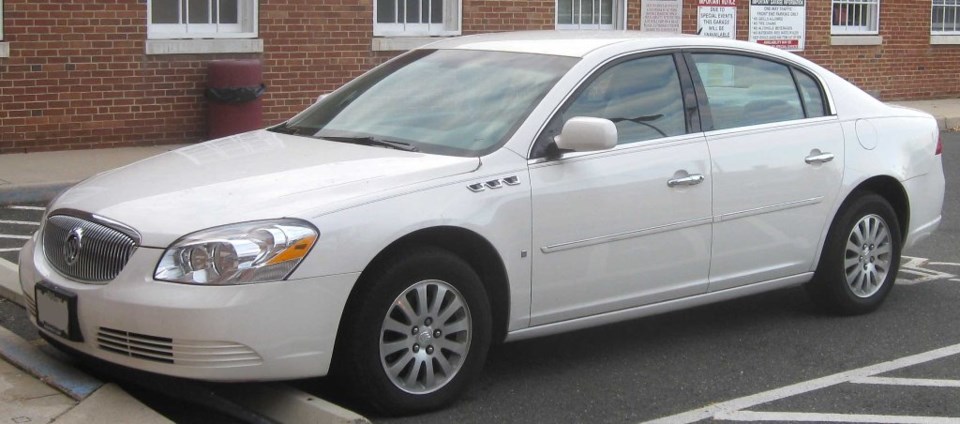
(945,39)
(4,49)
(205,46)
(392,44)
(856,40)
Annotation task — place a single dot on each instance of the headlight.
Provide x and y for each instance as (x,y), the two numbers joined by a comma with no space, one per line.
(249,252)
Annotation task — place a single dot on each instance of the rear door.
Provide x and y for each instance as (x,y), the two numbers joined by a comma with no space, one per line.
(777,158)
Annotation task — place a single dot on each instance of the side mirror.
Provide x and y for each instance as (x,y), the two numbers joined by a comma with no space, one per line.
(585,134)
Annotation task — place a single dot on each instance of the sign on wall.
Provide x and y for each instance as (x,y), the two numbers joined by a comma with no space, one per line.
(717,18)
(778,23)
(661,15)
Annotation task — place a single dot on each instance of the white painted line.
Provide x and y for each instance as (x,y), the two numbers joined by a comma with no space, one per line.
(912,262)
(921,382)
(28,208)
(6,221)
(944,263)
(832,418)
(9,249)
(807,386)
(14,236)
(926,275)
(955,279)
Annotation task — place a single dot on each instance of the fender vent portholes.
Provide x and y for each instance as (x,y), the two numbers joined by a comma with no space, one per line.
(512,180)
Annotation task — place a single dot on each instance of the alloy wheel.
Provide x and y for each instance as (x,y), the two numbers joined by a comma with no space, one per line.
(425,337)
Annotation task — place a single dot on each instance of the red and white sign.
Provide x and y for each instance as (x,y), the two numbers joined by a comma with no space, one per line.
(779,23)
(717,18)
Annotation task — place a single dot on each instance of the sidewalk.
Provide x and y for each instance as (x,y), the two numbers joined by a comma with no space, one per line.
(65,395)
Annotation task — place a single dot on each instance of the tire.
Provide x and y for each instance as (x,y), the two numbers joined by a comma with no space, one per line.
(860,258)
(418,333)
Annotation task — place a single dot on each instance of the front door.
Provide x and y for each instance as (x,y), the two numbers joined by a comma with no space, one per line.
(628,226)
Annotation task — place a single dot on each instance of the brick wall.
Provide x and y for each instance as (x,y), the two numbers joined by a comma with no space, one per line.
(77,76)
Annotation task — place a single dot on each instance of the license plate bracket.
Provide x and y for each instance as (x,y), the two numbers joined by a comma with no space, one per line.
(57,311)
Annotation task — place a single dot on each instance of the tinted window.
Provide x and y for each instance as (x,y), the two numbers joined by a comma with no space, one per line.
(811,94)
(744,90)
(641,96)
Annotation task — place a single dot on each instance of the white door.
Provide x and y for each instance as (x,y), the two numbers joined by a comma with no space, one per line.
(610,229)
(777,159)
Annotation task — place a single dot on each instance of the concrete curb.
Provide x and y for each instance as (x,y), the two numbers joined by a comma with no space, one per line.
(286,404)
(32,193)
(10,282)
(69,380)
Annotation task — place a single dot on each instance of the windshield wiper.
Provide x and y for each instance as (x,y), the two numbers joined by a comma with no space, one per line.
(286,128)
(373,141)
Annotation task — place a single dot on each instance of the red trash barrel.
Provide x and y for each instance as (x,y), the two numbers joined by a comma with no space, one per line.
(233,92)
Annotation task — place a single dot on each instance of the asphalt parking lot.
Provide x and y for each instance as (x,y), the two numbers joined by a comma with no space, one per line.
(771,357)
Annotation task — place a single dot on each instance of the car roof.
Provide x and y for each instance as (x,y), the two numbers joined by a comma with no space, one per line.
(581,43)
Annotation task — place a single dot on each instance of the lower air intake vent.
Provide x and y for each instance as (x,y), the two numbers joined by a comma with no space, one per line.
(194,353)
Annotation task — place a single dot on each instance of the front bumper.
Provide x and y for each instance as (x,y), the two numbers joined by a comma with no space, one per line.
(263,331)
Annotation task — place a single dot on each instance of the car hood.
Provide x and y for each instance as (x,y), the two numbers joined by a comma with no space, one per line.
(257,175)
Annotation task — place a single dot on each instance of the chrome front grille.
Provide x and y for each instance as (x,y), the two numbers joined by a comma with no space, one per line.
(192,353)
(86,250)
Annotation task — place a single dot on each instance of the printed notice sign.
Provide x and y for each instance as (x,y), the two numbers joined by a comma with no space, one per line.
(717,18)
(661,15)
(778,23)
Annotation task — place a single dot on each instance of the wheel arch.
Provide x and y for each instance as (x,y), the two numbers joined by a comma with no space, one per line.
(883,185)
(892,191)
(476,250)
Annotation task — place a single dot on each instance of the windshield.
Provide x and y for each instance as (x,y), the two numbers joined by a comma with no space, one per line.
(452,102)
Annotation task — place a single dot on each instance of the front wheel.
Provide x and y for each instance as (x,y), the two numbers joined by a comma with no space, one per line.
(860,258)
(420,333)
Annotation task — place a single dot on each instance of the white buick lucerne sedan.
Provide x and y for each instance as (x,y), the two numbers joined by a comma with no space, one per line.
(484,189)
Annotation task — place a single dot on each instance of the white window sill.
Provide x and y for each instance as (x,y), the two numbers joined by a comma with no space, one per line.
(205,46)
(392,44)
(856,40)
(945,39)
(4,49)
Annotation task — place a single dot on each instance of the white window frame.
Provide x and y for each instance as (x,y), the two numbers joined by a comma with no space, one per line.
(248,11)
(450,25)
(872,19)
(950,7)
(619,16)
(4,46)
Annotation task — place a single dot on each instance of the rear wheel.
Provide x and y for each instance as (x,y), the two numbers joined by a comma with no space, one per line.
(860,258)
(419,334)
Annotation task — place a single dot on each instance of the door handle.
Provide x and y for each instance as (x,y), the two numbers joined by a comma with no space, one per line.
(685,181)
(819,158)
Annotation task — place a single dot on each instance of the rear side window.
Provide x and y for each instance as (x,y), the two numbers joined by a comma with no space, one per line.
(641,96)
(811,94)
(744,90)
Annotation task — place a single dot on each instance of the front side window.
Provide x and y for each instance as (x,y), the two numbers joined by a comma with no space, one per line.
(744,90)
(452,102)
(855,17)
(590,14)
(642,97)
(945,17)
(202,19)
(416,17)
